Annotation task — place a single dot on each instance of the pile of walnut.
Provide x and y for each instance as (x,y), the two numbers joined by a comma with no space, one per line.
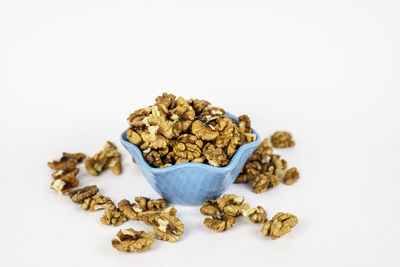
(176,130)
(225,209)
(264,169)
(66,167)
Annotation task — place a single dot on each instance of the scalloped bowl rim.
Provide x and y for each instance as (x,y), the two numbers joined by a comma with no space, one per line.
(232,163)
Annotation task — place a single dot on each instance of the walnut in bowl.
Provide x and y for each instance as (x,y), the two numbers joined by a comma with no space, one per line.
(192,183)
(177,130)
(188,150)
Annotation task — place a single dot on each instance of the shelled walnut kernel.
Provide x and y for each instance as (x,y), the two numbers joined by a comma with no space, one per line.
(291,176)
(256,215)
(67,162)
(150,217)
(220,223)
(262,168)
(210,208)
(282,139)
(108,158)
(131,240)
(79,195)
(168,228)
(142,205)
(97,202)
(65,172)
(264,182)
(65,181)
(113,216)
(223,212)
(279,225)
(230,204)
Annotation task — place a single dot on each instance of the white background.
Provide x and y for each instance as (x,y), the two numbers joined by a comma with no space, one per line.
(328,71)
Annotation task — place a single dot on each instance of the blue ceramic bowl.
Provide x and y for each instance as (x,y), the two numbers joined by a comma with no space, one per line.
(192,183)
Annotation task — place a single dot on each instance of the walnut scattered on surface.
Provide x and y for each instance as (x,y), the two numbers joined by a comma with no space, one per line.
(280,224)
(263,168)
(150,204)
(220,223)
(225,209)
(230,204)
(108,158)
(222,211)
(112,215)
(176,130)
(67,162)
(168,228)
(291,176)
(144,209)
(150,217)
(257,163)
(210,208)
(64,181)
(282,139)
(65,172)
(131,240)
(79,195)
(250,171)
(61,174)
(262,151)
(156,204)
(78,157)
(274,164)
(92,200)
(264,182)
(256,215)
(130,211)
(97,202)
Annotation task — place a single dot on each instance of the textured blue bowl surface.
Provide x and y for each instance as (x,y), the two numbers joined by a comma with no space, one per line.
(192,183)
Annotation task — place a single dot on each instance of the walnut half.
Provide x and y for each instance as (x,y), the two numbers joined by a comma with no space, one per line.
(291,176)
(79,195)
(279,225)
(220,223)
(263,182)
(131,240)
(282,139)
(108,158)
(168,228)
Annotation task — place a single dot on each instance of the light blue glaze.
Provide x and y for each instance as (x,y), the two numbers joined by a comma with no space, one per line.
(192,183)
